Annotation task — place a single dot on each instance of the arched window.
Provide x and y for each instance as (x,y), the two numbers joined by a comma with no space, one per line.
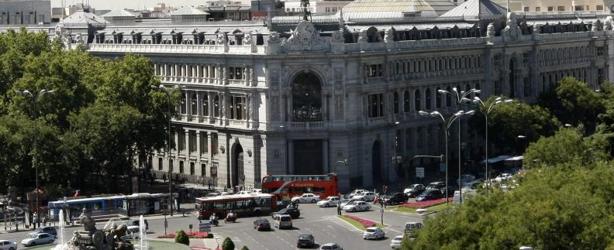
(427,99)
(417,99)
(396,102)
(306,98)
(406,101)
(183,104)
(205,105)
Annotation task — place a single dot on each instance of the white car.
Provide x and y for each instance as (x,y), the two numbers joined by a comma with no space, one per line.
(395,243)
(331,246)
(331,201)
(8,245)
(366,196)
(373,233)
(356,192)
(39,239)
(306,198)
(503,177)
(357,206)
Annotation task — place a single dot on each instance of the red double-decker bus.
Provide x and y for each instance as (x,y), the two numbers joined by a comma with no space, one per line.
(287,186)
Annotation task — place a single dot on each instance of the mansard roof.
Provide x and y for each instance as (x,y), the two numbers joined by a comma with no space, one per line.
(473,8)
(119,13)
(81,19)
(396,8)
(188,11)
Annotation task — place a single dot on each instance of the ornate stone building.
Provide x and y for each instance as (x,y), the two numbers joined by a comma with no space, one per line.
(342,95)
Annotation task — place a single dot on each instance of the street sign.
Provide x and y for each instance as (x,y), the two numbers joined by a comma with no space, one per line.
(420,172)
(204,227)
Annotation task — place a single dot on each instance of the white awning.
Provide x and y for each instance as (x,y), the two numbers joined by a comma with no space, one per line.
(515,158)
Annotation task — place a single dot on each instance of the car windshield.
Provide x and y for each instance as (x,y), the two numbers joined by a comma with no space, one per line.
(371,230)
(400,237)
(285,218)
(305,236)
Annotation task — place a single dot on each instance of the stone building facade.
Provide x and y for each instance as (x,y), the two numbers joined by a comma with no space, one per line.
(259,101)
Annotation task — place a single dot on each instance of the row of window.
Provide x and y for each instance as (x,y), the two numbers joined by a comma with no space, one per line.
(181,144)
(558,55)
(211,105)
(198,38)
(198,71)
(376,102)
(563,8)
(423,65)
(192,170)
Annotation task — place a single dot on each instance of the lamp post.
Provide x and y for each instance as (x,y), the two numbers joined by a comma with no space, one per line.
(168,92)
(34,97)
(460,97)
(486,108)
(447,122)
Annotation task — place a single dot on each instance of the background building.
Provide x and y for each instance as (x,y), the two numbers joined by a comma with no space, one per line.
(24,12)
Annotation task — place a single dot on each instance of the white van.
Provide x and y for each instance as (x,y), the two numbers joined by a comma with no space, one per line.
(283,221)
(412,227)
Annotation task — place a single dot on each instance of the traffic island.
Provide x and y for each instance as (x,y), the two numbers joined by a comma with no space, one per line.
(424,207)
(359,223)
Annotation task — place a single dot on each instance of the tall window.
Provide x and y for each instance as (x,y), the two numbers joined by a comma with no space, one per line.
(181,140)
(194,104)
(183,104)
(181,167)
(205,105)
(417,100)
(396,102)
(203,169)
(160,164)
(192,170)
(406,101)
(192,141)
(204,144)
(375,70)
(437,98)
(235,73)
(237,108)
(448,97)
(214,143)
(216,106)
(376,105)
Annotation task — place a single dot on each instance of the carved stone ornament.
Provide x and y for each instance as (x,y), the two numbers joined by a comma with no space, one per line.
(512,31)
(490,30)
(389,35)
(338,37)
(362,36)
(608,23)
(247,39)
(274,38)
(221,38)
(305,37)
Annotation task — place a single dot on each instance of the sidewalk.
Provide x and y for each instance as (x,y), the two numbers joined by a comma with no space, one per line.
(206,244)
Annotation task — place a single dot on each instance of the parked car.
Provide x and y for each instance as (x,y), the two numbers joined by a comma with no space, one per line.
(396,198)
(439,185)
(373,233)
(343,203)
(428,195)
(283,221)
(365,196)
(262,224)
(395,243)
(293,212)
(132,233)
(331,246)
(38,239)
(357,206)
(8,245)
(47,230)
(411,228)
(331,201)
(306,198)
(414,190)
(305,240)
(356,192)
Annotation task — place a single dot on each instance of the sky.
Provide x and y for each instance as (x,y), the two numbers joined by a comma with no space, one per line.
(131,4)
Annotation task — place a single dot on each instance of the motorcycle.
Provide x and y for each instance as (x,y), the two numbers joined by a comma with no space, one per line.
(231,217)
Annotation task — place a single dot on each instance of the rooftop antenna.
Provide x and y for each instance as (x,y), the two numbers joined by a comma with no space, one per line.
(306,11)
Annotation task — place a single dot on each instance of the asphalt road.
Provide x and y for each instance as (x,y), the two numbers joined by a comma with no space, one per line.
(323,223)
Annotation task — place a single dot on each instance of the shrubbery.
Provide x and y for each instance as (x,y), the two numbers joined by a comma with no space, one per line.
(182,238)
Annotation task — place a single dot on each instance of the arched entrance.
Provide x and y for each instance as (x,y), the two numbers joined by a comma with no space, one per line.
(306,98)
(376,164)
(238,173)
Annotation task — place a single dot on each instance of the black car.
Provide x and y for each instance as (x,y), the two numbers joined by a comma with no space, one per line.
(292,211)
(436,185)
(305,240)
(262,224)
(428,195)
(396,198)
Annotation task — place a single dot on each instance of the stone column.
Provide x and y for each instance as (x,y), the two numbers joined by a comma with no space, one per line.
(199,105)
(210,104)
(326,163)
(177,141)
(198,149)
(291,156)
(187,143)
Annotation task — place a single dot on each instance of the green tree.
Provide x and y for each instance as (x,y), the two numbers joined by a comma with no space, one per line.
(575,103)
(567,145)
(244,248)
(510,120)
(182,238)
(228,244)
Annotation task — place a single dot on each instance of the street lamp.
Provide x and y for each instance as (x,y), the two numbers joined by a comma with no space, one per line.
(34,99)
(460,97)
(168,92)
(486,108)
(447,122)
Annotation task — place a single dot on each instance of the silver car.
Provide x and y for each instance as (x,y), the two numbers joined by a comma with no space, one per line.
(373,233)
(38,239)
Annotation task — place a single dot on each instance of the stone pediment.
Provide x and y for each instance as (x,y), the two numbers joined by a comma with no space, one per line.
(305,38)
